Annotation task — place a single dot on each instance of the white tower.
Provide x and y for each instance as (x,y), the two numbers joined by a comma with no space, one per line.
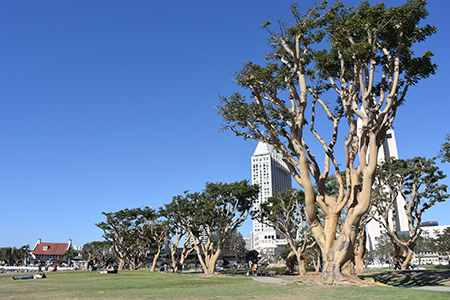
(374,228)
(272,176)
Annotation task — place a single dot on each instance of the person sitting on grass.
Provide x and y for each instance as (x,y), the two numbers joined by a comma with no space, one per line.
(109,270)
(37,276)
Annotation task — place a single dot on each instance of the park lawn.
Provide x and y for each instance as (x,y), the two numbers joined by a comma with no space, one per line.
(147,285)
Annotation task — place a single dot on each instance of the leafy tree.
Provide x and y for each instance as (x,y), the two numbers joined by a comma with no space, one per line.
(286,213)
(384,252)
(127,230)
(70,253)
(444,153)
(98,252)
(13,255)
(159,234)
(251,255)
(364,55)
(417,182)
(176,217)
(236,242)
(211,216)
(443,243)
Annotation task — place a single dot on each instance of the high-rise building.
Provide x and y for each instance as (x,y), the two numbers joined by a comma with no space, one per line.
(272,175)
(374,228)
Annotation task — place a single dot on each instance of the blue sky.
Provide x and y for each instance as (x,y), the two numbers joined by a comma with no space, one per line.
(106,105)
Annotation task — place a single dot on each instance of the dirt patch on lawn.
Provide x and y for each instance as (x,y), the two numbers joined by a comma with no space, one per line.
(412,277)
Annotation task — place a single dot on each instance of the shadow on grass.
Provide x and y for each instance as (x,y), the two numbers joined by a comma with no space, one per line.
(412,278)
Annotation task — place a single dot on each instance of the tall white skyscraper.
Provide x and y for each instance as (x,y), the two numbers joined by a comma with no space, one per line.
(272,176)
(374,228)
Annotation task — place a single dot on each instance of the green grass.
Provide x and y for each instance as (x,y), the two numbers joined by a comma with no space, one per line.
(146,285)
(436,267)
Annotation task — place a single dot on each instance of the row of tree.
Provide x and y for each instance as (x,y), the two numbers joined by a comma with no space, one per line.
(204,221)
(14,256)
(362,58)
(416,181)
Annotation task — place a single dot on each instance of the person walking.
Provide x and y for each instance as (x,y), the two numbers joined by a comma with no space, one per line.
(255,270)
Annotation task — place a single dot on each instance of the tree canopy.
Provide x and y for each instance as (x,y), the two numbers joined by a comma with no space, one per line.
(128,230)
(209,217)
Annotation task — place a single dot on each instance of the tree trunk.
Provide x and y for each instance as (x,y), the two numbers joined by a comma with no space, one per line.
(359,264)
(317,263)
(173,250)
(290,263)
(121,263)
(155,259)
(212,260)
(360,250)
(407,257)
(338,257)
(301,265)
(184,255)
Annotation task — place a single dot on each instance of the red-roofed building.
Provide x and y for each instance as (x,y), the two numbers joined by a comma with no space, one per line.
(44,252)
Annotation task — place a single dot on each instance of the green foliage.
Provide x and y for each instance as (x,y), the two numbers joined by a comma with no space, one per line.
(236,242)
(444,152)
(417,180)
(12,255)
(98,252)
(363,37)
(442,242)
(251,255)
(130,231)
(384,251)
(217,207)
(210,217)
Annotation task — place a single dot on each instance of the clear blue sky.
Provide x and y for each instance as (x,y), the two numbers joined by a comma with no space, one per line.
(106,105)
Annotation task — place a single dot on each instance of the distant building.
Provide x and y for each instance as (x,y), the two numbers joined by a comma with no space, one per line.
(45,252)
(430,229)
(248,243)
(272,176)
(374,228)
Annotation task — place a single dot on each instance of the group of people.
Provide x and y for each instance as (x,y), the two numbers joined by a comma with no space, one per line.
(109,270)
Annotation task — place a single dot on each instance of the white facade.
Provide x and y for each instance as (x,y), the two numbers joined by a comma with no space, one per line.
(374,228)
(430,258)
(272,176)
(432,231)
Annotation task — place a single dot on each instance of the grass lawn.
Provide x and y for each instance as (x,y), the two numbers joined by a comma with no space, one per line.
(146,285)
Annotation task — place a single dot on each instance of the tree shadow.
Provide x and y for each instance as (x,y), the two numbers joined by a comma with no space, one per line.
(412,278)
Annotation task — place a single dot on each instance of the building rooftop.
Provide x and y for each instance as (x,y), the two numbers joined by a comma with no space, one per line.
(50,249)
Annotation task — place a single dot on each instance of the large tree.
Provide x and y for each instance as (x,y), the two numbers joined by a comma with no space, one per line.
(212,215)
(159,234)
(285,212)
(236,243)
(417,181)
(363,55)
(127,230)
(98,252)
(177,217)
